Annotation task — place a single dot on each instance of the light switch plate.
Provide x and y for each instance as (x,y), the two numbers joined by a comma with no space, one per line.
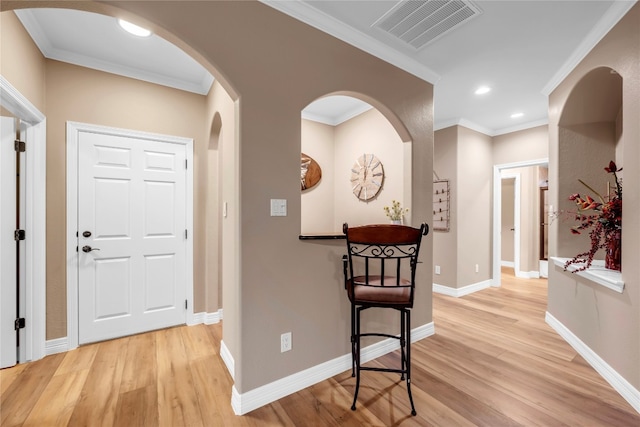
(278,207)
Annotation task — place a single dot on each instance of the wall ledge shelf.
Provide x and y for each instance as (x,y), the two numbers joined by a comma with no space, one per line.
(323,236)
(597,273)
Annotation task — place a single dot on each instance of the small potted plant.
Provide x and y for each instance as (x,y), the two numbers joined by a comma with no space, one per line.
(395,212)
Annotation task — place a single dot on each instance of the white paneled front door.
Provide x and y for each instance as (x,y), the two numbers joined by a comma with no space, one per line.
(132,268)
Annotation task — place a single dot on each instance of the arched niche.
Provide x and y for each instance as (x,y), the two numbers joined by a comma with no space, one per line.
(589,136)
(358,126)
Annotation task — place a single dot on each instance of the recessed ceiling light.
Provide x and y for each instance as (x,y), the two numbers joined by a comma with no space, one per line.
(517,115)
(134,29)
(482,90)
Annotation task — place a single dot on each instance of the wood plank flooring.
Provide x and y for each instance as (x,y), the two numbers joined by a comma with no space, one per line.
(492,362)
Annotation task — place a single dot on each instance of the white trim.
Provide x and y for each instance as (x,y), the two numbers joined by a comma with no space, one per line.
(14,101)
(206,318)
(544,268)
(597,273)
(621,385)
(609,19)
(311,16)
(442,124)
(504,263)
(227,358)
(460,292)
(57,345)
(528,274)
(36,188)
(348,115)
(497,214)
(243,403)
(73,131)
(522,126)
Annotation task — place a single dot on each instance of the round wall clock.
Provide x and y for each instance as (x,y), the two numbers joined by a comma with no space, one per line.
(367,175)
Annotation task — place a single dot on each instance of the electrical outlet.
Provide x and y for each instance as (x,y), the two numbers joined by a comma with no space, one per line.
(285,342)
(437,269)
(477,268)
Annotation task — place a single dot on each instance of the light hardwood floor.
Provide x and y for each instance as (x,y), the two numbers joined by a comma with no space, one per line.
(493,361)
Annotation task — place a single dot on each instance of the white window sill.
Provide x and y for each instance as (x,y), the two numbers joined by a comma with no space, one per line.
(597,273)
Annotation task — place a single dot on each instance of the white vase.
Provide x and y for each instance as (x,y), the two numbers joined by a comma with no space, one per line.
(396,221)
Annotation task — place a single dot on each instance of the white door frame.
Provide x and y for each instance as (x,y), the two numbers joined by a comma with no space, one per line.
(497,214)
(35,227)
(73,132)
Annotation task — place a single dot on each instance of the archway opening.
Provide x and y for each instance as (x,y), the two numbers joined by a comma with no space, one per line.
(589,136)
(364,163)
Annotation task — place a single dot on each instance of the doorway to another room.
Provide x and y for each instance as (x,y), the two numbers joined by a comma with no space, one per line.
(517,220)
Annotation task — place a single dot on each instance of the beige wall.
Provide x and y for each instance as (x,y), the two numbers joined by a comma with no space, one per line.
(464,156)
(317,206)
(21,62)
(273,66)
(475,180)
(606,321)
(508,200)
(445,243)
(223,232)
(520,146)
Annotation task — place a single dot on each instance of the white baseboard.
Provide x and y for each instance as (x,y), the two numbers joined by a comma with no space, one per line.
(54,346)
(621,385)
(460,292)
(528,274)
(544,268)
(227,358)
(507,264)
(253,399)
(206,318)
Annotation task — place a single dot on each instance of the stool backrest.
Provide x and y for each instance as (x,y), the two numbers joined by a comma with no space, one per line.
(384,255)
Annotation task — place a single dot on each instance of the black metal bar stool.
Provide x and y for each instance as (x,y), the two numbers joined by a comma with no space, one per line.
(375,277)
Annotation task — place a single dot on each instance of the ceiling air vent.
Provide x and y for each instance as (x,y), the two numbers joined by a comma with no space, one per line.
(419,22)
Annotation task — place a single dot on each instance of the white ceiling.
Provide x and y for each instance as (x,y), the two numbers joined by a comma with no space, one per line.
(521,49)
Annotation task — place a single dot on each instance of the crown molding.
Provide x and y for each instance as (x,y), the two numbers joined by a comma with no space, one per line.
(331,121)
(486,131)
(49,51)
(522,126)
(309,15)
(465,123)
(610,18)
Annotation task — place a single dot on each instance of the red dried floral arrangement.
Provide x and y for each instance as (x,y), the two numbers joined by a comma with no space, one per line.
(602,218)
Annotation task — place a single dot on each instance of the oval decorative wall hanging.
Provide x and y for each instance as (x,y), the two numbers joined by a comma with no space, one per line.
(310,172)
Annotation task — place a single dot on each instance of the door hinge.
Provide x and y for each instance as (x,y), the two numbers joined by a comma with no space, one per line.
(19,323)
(19,235)
(185,164)
(186,235)
(20,146)
(185,304)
